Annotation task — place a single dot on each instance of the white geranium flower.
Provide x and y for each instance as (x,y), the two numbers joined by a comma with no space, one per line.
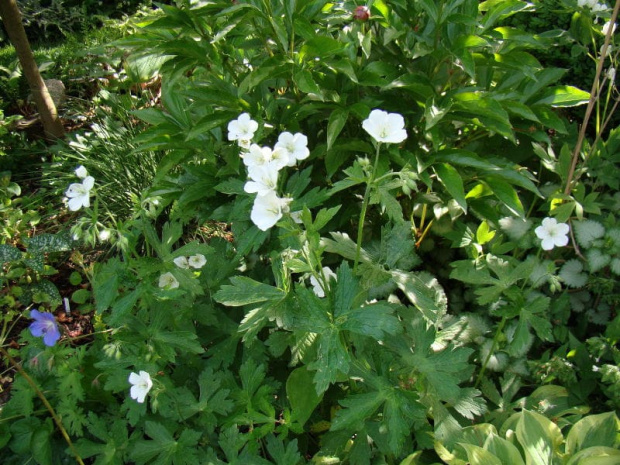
(168,281)
(257,156)
(295,146)
(267,210)
(242,130)
(141,385)
(385,127)
(79,193)
(606,27)
(316,285)
(181,262)
(197,261)
(263,179)
(81,172)
(552,233)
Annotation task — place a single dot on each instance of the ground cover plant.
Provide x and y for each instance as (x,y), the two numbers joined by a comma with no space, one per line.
(328,233)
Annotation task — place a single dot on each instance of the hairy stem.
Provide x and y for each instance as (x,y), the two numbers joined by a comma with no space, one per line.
(48,406)
(360,226)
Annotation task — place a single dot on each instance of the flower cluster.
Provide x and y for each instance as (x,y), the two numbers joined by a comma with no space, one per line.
(263,166)
(78,194)
(194,261)
(45,326)
(593,5)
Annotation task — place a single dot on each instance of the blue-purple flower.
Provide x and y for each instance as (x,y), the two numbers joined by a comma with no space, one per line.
(44,324)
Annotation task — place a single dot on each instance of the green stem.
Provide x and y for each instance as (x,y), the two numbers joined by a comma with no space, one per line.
(500,328)
(49,407)
(360,226)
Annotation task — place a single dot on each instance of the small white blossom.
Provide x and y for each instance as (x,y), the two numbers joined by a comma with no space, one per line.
(81,172)
(242,130)
(104,235)
(168,281)
(606,27)
(552,233)
(141,385)
(267,210)
(181,262)
(263,179)
(295,146)
(258,156)
(296,216)
(197,261)
(385,127)
(316,285)
(79,193)
(611,75)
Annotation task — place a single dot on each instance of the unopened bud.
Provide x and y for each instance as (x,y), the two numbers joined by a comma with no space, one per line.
(361,13)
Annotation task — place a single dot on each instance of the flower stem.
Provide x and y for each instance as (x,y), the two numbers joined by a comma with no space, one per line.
(500,328)
(49,407)
(360,226)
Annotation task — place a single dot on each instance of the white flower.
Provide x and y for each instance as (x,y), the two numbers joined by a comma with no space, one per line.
(257,156)
(242,129)
(197,261)
(81,172)
(611,75)
(79,193)
(316,285)
(181,262)
(104,235)
(168,281)
(295,146)
(385,127)
(552,233)
(296,216)
(141,385)
(264,179)
(606,27)
(267,210)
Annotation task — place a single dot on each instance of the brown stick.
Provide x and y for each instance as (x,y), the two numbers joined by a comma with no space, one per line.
(12,19)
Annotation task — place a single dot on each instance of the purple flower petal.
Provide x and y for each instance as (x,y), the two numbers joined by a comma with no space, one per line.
(44,325)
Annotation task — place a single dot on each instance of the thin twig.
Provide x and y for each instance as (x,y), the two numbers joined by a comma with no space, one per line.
(594,94)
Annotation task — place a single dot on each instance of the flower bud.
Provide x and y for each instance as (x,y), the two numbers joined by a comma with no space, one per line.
(361,13)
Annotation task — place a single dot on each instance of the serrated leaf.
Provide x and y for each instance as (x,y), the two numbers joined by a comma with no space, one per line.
(357,408)
(423,291)
(244,291)
(303,400)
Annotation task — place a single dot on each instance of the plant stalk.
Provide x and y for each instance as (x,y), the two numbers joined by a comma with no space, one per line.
(360,226)
(48,406)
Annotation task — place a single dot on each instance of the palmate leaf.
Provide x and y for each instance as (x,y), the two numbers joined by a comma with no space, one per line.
(424,291)
(114,437)
(163,448)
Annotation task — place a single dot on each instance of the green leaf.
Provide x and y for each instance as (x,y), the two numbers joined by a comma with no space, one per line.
(506,451)
(280,455)
(303,400)
(337,120)
(478,456)
(484,234)
(183,341)
(506,194)
(332,360)
(423,291)
(374,320)
(80,296)
(8,253)
(48,243)
(244,291)
(357,408)
(563,96)
(591,431)
(306,82)
(539,437)
(453,183)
